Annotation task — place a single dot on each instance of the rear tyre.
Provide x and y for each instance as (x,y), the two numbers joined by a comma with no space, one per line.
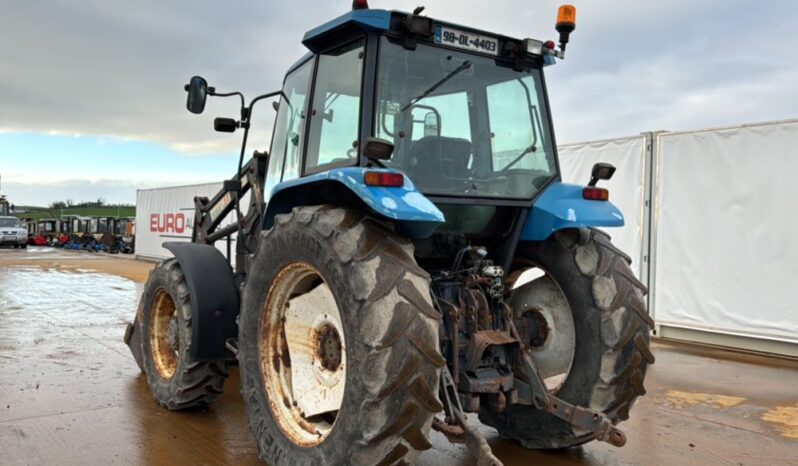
(611,325)
(175,380)
(24,246)
(374,337)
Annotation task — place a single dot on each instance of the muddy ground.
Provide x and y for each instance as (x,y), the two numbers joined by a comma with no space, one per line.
(70,392)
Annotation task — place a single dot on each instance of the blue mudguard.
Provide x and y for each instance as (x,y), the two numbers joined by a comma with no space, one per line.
(415,215)
(562,206)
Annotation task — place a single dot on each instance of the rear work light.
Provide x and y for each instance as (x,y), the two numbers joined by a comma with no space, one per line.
(593,193)
(384,179)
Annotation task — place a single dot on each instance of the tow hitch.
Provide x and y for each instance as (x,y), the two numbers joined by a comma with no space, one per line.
(456,429)
(582,419)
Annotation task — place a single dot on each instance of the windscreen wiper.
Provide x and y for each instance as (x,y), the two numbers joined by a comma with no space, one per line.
(466,65)
(518,157)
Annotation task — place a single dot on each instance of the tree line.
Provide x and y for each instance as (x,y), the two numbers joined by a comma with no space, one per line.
(69,203)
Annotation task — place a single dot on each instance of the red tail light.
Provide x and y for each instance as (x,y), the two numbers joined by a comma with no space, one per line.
(384,179)
(593,193)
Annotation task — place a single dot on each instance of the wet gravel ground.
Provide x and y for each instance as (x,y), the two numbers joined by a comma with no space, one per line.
(70,392)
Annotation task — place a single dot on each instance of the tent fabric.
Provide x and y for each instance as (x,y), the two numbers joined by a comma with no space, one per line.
(626,186)
(726,258)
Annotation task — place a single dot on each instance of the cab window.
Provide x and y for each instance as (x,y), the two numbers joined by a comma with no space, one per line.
(289,129)
(511,133)
(335,111)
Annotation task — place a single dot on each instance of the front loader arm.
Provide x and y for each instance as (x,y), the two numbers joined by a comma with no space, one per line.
(209,214)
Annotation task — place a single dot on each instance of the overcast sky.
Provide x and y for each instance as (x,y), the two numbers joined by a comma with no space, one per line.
(91,100)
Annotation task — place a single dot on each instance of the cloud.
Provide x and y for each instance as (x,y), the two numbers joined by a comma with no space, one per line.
(113,68)
(112,191)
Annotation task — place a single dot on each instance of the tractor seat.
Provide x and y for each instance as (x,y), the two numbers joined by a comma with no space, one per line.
(434,159)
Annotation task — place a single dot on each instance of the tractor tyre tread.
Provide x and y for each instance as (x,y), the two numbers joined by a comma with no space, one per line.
(194,383)
(391,330)
(617,352)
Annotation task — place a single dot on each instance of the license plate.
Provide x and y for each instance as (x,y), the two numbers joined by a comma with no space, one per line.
(466,40)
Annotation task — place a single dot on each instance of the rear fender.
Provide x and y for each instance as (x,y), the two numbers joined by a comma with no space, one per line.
(214,299)
(414,215)
(562,206)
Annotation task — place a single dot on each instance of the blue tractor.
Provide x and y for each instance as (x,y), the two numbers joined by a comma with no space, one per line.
(405,254)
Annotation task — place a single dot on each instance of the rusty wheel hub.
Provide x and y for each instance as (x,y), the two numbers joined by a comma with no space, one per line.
(546,323)
(328,347)
(302,354)
(538,327)
(164,334)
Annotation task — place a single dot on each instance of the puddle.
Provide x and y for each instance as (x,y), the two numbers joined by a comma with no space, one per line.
(73,298)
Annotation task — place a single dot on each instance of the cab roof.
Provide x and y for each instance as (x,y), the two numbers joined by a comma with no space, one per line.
(364,20)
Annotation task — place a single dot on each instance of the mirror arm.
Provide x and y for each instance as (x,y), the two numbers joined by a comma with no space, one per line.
(266,96)
(212,91)
(246,114)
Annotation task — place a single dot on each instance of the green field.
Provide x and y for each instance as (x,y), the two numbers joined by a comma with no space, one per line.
(39,213)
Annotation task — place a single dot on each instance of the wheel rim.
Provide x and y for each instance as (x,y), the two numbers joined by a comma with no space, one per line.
(546,321)
(164,334)
(302,354)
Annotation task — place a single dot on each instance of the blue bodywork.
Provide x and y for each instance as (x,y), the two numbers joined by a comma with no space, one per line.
(416,215)
(562,206)
(367,20)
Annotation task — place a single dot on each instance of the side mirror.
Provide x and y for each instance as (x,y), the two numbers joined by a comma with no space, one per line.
(378,149)
(197,90)
(225,125)
(432,126)
(601,171)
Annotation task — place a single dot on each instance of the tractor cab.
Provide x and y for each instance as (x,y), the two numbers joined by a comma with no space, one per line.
(65,226)
(31,225)
(465,111)
(460,113)
(48,227)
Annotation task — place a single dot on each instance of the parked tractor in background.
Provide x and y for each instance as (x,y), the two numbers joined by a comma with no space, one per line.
(110,235)
(408,254)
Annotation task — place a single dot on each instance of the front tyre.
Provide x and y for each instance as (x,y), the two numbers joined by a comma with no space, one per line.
(586,323)
(338,344)
(164,320)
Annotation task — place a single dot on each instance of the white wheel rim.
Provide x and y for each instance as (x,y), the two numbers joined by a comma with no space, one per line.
(303,354)
(541,303)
